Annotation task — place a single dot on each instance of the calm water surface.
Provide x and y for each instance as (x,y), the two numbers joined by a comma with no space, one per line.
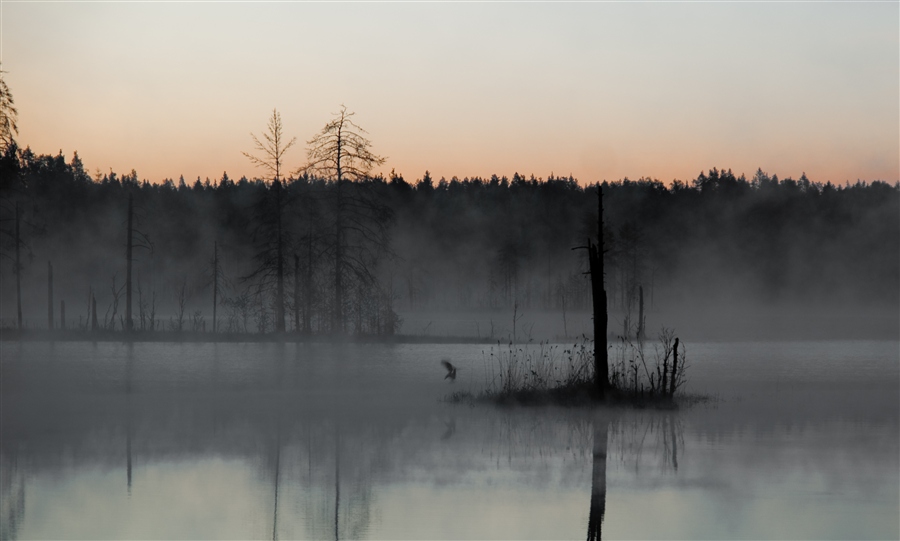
(149,440)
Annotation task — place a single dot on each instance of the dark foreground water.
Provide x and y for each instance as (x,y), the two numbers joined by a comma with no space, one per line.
(329,441)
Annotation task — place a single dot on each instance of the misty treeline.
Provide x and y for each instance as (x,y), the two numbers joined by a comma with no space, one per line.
(472,244)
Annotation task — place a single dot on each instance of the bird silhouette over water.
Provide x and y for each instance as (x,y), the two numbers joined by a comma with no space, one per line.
(451,370)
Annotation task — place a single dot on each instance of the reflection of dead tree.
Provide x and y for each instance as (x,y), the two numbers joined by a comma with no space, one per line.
(673,434)
(656,440)
(277,471)
(598,481)
(337,482)
(339,468)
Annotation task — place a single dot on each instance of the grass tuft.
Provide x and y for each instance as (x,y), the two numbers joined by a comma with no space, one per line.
(544,374)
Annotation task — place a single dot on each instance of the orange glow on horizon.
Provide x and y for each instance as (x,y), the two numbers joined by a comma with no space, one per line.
(459,91)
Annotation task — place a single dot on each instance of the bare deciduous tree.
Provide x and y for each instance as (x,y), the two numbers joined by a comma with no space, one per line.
(273,147)
(270,232)
(130,243)
(341,153)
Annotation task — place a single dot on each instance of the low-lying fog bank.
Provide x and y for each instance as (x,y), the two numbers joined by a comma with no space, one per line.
(115,440)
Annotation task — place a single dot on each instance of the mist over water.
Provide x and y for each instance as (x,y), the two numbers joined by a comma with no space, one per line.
(314,403)
(325,351)
(156,440)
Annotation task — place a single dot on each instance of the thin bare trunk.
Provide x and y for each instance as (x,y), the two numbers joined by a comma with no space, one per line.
(674,368)
(49,296)
(338,324)
(307,317)
(279,251)
(598,294)
(129,322)
(296,293)
(94,325)
(18,269)
(640,329)
(215,283)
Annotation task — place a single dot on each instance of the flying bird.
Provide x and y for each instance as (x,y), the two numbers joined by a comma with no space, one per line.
(451,370)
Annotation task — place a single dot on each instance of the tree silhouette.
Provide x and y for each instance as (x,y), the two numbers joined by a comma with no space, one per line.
(764,239)
(341,153)
(272,148)
(130,244)
(9,115)
(271,230)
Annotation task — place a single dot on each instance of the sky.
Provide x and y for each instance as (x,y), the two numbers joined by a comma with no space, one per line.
(598,90)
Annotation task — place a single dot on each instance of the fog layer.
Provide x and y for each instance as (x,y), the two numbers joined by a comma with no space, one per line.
(426,251)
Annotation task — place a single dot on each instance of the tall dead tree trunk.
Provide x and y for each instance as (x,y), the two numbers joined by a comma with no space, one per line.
(307,289)
(273,148)
(94,324)
(129,322)
(598,290)
(49,296)
(296,293)
(664,389)
(337,323)
(18,269)
(672,384)
(279,254)
(640,329)
(341,152)
(215,283)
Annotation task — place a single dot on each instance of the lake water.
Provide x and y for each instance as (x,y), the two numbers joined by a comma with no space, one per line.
(259,441)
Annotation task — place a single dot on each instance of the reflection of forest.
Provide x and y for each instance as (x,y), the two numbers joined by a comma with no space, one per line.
(12,496)
(352,441)
(323,469)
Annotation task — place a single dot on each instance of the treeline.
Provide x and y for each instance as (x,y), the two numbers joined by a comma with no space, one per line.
(310,254)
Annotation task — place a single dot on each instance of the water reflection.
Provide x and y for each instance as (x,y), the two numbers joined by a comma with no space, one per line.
(12,497)
(129,413)
(598,481)
(227,451)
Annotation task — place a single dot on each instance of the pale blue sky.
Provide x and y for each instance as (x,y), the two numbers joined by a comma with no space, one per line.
(599,90)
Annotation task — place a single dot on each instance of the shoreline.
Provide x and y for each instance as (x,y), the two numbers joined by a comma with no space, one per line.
(14,335)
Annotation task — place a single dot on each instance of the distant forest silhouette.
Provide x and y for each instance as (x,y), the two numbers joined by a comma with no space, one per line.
(429,245)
